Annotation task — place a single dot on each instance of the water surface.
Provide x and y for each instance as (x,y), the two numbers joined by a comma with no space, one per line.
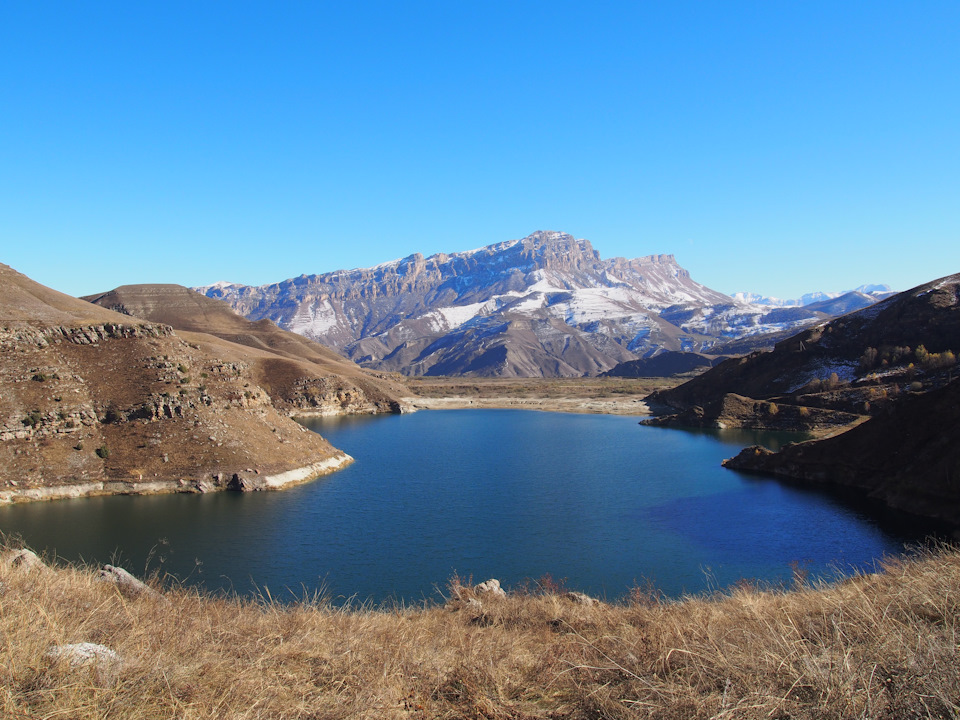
(597,500)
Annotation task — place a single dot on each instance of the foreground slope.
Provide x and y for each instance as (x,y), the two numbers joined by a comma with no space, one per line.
(874,646)
(299,374)
(546,304)
(93,401)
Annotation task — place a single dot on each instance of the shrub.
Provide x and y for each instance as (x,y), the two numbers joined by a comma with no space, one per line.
(103,452)
(33,419)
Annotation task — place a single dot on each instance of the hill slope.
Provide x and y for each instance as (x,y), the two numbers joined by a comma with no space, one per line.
(928,315)
(93,401)
(299,374)
(907,456)
(893,363)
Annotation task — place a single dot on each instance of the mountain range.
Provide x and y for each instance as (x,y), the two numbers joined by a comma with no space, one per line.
(543,305)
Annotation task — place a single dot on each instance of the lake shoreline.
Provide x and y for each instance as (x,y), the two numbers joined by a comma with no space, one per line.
(249,480)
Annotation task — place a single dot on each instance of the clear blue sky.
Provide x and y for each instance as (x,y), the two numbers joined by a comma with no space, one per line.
(776,147)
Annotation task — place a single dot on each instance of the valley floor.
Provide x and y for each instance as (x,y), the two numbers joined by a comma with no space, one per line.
(613,396)
(885,645)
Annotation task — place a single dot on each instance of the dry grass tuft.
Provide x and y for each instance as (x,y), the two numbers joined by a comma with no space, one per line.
(875,646)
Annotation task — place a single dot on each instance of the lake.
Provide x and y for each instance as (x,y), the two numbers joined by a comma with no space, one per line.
(598,501)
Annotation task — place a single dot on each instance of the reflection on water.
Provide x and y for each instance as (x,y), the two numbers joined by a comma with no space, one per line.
(598,500)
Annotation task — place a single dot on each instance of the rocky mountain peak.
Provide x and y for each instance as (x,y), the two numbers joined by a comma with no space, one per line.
(550,250)
(544,304)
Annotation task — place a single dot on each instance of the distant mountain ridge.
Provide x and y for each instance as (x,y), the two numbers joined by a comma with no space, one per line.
(543,305)
(874,292)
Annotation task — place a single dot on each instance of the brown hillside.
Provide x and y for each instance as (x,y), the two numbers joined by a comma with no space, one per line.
(93,401)
(299,374)
(927,315)
(907,456)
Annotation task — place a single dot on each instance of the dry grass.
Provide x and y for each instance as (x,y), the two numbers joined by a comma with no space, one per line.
(874,646)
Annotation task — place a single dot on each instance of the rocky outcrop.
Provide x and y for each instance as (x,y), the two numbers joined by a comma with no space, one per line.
(24,560)
(580,598)
(490,588)
(737,411)
(126,583)
(78,655)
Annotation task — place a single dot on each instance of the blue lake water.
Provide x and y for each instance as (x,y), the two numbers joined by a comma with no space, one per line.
(597,500)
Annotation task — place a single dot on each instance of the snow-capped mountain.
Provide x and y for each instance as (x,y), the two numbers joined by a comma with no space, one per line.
(543,305)
(874,292)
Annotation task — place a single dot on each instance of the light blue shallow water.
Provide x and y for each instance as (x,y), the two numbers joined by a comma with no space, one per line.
(598,500)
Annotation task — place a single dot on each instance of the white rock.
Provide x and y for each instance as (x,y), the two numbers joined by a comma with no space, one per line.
(23,559)
(80,654)
(490,587)
(126,583)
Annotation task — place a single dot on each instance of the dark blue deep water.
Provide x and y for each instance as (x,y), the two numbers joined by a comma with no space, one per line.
(599,501)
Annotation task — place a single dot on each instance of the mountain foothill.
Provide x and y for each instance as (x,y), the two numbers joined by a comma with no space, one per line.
(96,401)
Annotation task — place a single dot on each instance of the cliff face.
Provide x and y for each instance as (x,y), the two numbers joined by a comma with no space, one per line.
(546,305)
(300,375)
(93,401)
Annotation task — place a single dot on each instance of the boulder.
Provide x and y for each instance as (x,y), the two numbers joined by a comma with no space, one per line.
(126,583)
(85,653)
(581,598)
(104,663)
(490,587)
(24,559)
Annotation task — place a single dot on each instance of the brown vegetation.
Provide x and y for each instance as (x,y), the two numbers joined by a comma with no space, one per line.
(873,646)
(586,388)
